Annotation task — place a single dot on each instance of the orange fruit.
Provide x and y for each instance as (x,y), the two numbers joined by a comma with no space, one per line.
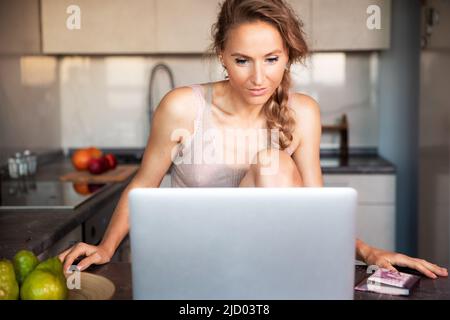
(95,152)
(81,188)
(80,159)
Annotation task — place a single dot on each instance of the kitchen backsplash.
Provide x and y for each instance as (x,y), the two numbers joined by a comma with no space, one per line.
(30,113)
(103,100)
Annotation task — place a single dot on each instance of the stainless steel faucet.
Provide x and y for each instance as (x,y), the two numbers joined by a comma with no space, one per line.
(157,67)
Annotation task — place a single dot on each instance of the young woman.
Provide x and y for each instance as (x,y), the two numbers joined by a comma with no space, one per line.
(256,41)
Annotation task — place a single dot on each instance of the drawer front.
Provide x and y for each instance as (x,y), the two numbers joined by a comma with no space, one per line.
(378,189)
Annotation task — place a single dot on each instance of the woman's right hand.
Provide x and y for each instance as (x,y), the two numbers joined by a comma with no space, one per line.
(92,254)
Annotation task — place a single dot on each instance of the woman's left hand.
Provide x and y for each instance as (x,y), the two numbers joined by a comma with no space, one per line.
(387,260)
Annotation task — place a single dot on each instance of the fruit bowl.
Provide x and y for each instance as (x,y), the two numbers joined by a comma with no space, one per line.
(93,287)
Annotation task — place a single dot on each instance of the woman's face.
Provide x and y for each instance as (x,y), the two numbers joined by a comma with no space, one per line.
(255,58)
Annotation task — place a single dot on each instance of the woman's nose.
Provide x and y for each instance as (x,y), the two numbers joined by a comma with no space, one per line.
(258,74)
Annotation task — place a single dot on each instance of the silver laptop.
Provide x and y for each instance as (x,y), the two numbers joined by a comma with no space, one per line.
(242,243)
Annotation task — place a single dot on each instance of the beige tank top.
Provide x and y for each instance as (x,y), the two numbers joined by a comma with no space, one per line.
(191,167)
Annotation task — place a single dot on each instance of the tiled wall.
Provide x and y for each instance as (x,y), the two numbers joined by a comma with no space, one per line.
(104,100)
(76,101)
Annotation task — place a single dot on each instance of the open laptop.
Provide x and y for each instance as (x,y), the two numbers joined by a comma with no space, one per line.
(242,243)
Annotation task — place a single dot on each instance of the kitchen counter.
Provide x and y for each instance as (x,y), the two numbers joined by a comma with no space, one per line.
(38,230)
(359,161)
(427,289)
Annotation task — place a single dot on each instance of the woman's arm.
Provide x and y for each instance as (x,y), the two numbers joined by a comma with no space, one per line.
(307,134)
(174,112)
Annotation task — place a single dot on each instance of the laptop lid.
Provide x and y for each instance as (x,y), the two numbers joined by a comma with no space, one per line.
(242,243)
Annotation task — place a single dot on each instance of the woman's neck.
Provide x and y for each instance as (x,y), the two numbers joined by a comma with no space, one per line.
(230,102)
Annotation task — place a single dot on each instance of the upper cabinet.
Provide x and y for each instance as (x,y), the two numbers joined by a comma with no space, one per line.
(351,24)
(184,26)
(19,27)
(96,26)
(303,8)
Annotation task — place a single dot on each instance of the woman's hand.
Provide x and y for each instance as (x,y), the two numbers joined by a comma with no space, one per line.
(387,260)
(93,255)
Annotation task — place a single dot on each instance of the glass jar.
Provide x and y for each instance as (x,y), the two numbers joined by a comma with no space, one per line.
(31,161)
(21,164)
(13,168)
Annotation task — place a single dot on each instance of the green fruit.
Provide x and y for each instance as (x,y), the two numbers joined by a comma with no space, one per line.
(53,265)
(9,289)
(42,284)
(24,262)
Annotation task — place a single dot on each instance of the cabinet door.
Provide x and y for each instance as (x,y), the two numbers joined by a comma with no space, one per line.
(372,189)
(343,24)
(375,214)
(114,26)
(185,26)
(375,225)
(303,8)
(19,27)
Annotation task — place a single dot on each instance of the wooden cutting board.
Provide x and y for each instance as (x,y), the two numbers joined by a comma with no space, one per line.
(120,173)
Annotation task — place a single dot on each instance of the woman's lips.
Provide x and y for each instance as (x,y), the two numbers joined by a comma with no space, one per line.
(258,92)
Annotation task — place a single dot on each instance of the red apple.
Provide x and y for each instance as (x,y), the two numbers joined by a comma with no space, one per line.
(92,187)
(112,160)
(98,166)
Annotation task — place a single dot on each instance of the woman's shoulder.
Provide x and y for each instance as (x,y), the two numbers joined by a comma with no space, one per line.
(303,104)
(179,103)
(306,115)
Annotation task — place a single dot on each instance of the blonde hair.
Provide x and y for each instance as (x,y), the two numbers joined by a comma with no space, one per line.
(279,14)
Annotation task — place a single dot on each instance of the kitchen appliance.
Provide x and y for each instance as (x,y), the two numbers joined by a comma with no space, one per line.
(30,194)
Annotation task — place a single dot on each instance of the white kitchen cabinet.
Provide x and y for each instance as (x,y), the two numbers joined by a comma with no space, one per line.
(185,26)
(19,27)
(303,8)
(113,26)
(375,215)
(343,25)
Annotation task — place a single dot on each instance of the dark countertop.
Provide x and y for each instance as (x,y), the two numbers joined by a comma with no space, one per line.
(38,230)
(359,160)
(427,289)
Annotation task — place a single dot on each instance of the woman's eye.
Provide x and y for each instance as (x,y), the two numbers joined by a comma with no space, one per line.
(241,61)
(273,60)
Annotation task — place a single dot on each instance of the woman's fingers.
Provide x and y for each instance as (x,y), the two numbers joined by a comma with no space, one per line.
(77,251)
(423,266)
(434,268)
(62,255)
(86,262)
(386,264)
